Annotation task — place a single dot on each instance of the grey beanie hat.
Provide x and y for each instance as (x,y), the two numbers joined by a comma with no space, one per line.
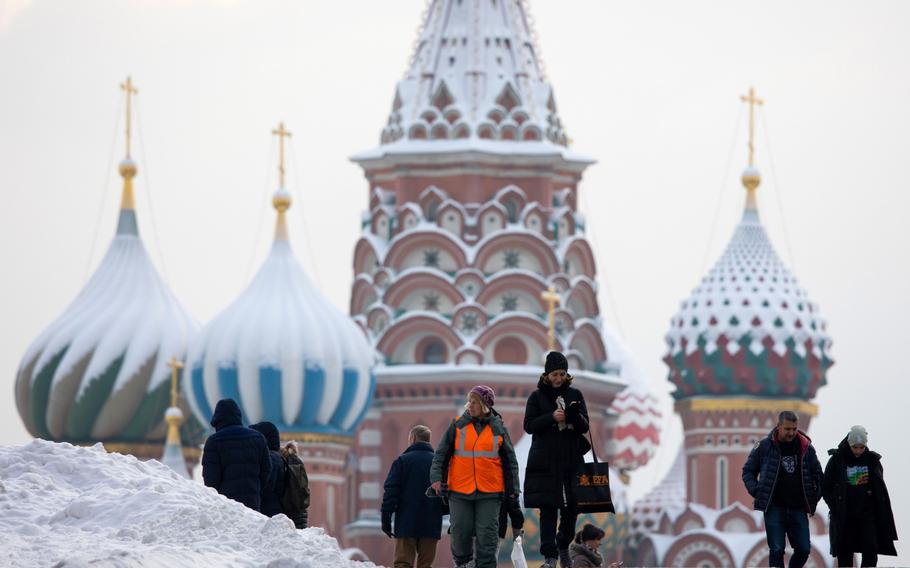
(857,435)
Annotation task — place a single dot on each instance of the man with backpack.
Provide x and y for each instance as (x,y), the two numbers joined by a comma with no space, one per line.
(296,497)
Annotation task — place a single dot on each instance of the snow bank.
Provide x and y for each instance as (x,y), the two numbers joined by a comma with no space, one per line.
(67,506)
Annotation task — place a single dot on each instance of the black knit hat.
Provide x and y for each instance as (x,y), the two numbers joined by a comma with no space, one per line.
(589,532)
(556,360)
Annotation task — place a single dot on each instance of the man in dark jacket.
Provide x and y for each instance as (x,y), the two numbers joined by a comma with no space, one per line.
(557,419)
(273,489)
(418,518)
(235,459)
(783,475)
(855,491)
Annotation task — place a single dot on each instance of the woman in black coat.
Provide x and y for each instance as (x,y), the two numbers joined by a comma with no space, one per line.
(557,419)
(854,489)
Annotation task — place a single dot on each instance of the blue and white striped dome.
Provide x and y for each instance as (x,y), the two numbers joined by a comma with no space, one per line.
(283,352)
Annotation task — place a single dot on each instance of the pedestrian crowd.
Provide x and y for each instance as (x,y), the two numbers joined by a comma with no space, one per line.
(251,466)
(472,475)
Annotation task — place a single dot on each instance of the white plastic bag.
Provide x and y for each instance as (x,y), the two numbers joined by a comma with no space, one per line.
(518,554)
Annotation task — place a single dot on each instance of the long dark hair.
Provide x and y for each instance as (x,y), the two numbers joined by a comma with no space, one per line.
(546,379)
(589,532)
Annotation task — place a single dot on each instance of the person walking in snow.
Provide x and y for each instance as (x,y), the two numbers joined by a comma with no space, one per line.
(273,489)
(855,491)
(783,475)
(557,419)
(478,455)
(417,517)
(235,459)
(295,501)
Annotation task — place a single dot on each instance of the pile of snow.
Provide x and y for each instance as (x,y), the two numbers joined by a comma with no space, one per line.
(67,506)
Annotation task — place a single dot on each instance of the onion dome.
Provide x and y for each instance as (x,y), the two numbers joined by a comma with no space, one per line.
(99,371)
(636,432)
(748,328)
(282,351)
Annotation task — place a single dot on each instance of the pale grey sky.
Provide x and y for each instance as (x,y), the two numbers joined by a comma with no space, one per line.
(648,88)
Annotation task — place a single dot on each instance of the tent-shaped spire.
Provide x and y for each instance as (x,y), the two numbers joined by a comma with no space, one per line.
(475,74)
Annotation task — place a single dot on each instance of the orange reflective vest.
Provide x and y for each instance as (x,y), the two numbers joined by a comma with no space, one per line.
(475,463)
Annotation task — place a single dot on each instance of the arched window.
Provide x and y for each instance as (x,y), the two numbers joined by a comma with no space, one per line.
(721,482)
(431,351)
(512,210)
(510,351)
(432,207)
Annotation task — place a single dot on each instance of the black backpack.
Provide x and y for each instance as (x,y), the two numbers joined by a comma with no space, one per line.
(296,498)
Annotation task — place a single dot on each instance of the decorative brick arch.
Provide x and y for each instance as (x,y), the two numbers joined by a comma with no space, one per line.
(758,555)
(511,281)
(587,340)
(697,550)
(364,251)
(531,242)
(519,324)
(421,279)
(687,521)
(405,244)
(363,294)
(582,299)
(412,329)
(579,251)
(735,518)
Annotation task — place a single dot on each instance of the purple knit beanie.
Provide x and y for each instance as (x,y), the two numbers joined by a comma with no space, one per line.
(486,395)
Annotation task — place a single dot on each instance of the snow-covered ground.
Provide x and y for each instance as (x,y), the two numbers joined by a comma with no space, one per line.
(67,506)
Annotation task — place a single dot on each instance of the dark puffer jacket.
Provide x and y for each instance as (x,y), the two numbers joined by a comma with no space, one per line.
(763,464)
(416,515)
(835,493)
(274,487)
(235,459)
(555,454)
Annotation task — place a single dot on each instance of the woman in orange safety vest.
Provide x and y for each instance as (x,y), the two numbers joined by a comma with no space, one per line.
(476,459)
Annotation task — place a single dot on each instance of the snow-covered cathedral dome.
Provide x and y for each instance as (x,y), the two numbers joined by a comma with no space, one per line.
(748,328)
(99,371)
(283,352)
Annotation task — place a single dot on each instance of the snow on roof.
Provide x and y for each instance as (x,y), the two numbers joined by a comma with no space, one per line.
(476,147)
(475,72)
(83,506)
(278,339)
(749,293)
(668,495)
(124,320)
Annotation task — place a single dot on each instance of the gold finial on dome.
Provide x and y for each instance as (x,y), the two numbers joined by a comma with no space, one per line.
(751,178)
(173,416)
(281,201)
(128,166)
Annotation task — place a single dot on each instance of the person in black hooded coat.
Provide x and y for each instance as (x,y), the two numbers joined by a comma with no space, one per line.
(557,419)
(854,489)
(273,490)
(235,459)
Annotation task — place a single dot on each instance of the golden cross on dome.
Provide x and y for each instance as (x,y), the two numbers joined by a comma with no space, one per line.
(174,364)
(281,132)
(752,100)
(130,91)
(552,299)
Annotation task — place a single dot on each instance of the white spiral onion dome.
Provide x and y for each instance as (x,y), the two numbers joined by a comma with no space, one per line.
(99,372)
(285,354)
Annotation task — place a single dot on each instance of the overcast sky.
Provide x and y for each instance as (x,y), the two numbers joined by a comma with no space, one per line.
(650,89)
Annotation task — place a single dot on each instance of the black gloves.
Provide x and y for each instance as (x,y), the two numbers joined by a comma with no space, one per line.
(387,525)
